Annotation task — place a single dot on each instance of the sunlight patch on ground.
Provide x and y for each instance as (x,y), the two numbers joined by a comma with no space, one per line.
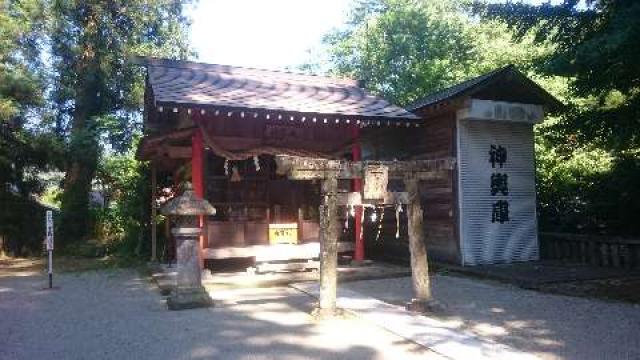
(20,267)
(491,330)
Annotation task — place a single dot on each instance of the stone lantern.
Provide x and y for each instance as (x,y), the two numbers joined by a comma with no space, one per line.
(187,209)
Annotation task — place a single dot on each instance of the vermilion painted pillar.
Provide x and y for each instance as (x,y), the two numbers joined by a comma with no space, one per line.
(356,153)
(197,177)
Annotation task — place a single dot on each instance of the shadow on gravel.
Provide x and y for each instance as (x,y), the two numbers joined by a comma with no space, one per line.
(114,314)
(549,326)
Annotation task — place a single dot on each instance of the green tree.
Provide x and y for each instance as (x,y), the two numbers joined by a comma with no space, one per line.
(21,32)
(402,47)
(126,187)
(24,150)
(21,83)
(96,89)
(589,158)
(406,49)
(597,48)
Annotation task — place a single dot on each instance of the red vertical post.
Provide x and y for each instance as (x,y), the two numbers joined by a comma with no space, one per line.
(356,154)
(197,177)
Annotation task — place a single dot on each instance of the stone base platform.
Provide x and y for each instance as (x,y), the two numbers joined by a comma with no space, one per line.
(165,276)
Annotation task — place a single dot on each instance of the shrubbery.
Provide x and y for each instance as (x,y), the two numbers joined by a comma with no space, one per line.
(122,225)
(587,190)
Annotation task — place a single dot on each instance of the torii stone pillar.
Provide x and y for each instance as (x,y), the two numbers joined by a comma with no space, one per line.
(329,171)
(422,300)
(328,248)
(188,208)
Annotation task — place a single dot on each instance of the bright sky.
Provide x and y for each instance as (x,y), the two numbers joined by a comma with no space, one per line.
(268,34)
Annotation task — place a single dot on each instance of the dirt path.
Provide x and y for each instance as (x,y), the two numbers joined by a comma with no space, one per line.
(119,314)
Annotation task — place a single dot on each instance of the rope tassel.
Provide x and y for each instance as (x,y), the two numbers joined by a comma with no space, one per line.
(398,211)
(256,162)
(380,225)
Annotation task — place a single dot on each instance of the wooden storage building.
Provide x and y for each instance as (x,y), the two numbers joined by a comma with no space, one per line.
(484,212)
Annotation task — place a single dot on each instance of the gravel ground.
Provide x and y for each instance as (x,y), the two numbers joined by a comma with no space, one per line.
(119,315)
(549,326)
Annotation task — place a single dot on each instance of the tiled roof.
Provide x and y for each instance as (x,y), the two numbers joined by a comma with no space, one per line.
(190,83)
(478,83)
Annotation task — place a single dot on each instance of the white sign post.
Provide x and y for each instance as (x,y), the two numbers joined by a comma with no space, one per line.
(49,241)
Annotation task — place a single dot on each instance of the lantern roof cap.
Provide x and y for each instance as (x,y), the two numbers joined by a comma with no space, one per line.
(188,204)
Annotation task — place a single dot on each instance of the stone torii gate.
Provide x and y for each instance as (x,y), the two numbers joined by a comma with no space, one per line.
(376,175)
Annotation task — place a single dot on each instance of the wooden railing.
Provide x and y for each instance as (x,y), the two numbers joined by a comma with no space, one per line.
(605,251)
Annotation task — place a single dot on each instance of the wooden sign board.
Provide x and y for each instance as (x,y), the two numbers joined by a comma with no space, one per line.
(283,233)
(376,178)
(49,230)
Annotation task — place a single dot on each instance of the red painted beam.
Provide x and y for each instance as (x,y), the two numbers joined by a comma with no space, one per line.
(356,154)
(197,178)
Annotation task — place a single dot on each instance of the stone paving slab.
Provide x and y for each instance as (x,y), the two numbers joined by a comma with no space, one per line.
(435,335)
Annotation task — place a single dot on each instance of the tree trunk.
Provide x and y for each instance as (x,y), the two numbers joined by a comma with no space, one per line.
(74,214)
(81,167)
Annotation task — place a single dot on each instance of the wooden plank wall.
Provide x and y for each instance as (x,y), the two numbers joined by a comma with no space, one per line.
(439,197)
(436,138)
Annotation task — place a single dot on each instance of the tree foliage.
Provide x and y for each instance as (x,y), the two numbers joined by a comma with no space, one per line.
(597,48)
(24,152)
(97,90)
(21,83)
(21,30)
(405,49)
(121,224)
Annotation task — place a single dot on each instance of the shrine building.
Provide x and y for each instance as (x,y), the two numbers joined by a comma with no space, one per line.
(221,127)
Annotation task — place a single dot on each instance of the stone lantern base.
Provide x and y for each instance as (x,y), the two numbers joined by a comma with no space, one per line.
(189,292)
(183,299)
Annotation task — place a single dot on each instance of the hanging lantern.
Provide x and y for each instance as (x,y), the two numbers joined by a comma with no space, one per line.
(226,167)
(235,175)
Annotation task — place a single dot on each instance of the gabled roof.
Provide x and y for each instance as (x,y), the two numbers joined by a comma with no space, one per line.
(188,83)
(495,85)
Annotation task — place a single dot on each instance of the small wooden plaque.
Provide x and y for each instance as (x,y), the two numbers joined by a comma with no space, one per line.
(376,178)
(283,233)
